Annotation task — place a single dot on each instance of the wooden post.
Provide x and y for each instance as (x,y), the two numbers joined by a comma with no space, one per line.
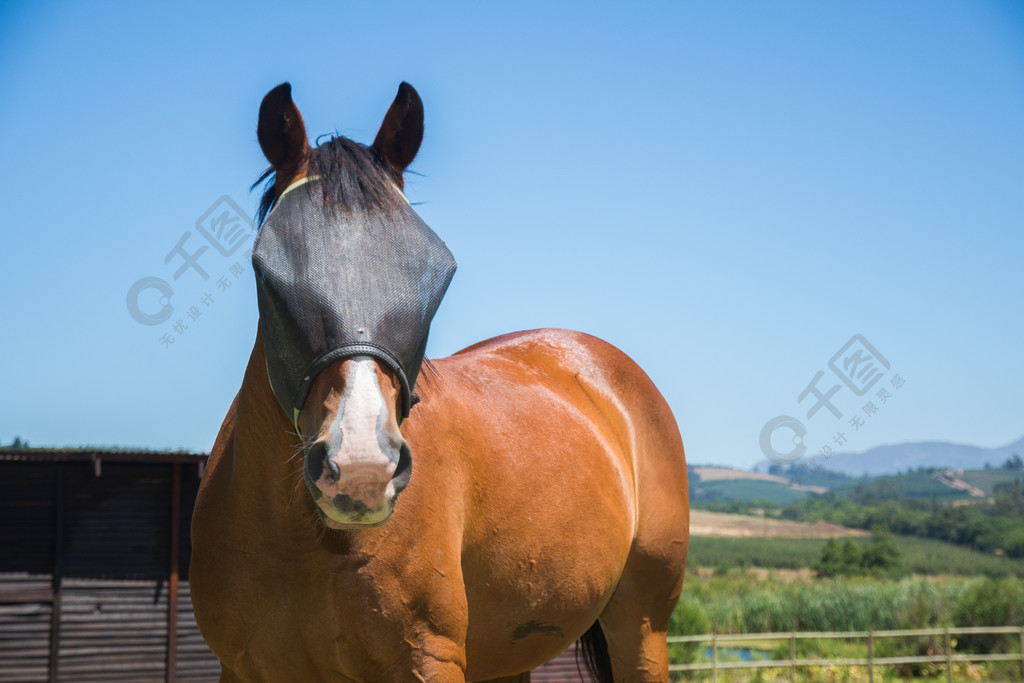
(172,583)
(58,571)
(714,659)
(1021,634)
(871,657)
(949,659)
(792,657)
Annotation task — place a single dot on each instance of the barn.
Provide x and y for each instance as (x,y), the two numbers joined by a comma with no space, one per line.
(94,556)
(94,566)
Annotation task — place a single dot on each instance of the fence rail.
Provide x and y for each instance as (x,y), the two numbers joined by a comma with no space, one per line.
(948,657)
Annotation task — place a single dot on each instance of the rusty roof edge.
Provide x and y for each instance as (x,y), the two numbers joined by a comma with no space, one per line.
(88,454)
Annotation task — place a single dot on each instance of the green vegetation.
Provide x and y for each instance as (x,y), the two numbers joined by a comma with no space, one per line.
(881,557)
(920,555)
(918,484)
(811,475)
(740,603)
(756,507)
(988,480)
(723,553)
(995,525)
(966,554)
(735,490)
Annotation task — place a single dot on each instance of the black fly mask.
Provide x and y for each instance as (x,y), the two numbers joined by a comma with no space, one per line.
(333,283)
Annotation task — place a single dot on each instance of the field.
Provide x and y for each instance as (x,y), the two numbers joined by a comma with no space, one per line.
(748,490)
(922,556)
(909,485)
(708,473)
(706,523)
(987,480)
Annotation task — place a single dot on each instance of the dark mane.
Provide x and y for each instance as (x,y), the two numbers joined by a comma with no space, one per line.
(351,176)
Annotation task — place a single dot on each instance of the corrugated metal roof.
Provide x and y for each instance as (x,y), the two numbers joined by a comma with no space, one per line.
(87,454)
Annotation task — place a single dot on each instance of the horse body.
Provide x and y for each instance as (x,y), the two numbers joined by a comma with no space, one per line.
(548,492)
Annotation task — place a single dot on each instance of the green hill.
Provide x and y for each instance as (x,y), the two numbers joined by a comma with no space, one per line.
(897,486)
(988,480)
(746,491)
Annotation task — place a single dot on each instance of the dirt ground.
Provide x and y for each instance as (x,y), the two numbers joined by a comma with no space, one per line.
(711,473)
(704,523)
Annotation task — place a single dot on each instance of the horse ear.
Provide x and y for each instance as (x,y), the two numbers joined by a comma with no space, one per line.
(400,135)
(280,130)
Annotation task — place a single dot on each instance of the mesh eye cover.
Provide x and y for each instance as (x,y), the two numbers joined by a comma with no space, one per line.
(331,284)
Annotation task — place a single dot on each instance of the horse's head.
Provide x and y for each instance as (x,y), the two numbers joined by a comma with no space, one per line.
(348,278)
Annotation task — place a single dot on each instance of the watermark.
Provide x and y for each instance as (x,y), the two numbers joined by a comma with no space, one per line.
(199,276)
(863,371)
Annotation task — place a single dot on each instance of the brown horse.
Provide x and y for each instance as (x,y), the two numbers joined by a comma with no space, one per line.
(548,499)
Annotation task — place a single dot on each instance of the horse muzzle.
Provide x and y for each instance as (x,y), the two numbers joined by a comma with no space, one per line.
(355,493)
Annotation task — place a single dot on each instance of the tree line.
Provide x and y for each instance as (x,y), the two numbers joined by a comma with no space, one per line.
(989,526)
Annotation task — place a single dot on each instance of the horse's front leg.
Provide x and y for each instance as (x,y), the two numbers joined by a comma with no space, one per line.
(435,658)
(417,632)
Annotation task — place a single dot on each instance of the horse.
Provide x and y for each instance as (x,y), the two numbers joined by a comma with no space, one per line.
(541,477)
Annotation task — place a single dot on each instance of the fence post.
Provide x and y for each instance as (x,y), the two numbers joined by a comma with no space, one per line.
(1021,634)
(792,657)
(714,659)
(949,659)
(871,657)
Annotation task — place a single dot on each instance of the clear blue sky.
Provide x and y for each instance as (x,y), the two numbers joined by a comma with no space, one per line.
(727,191)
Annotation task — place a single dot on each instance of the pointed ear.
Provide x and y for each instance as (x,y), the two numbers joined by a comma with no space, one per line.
(281,132)
(400,135)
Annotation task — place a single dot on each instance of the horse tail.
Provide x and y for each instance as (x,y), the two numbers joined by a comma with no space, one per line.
(592,648)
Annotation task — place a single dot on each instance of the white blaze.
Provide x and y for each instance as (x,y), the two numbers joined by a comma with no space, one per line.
(358,466)
(354,428)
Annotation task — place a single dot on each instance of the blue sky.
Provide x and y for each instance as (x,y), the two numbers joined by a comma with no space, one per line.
(729,192)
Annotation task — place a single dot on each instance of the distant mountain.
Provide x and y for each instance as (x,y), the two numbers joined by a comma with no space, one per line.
(908,456)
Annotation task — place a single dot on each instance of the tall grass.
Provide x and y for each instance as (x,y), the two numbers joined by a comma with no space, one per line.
(736,603)
(740,602)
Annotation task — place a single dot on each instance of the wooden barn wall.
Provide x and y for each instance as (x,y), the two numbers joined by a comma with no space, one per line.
(85,573)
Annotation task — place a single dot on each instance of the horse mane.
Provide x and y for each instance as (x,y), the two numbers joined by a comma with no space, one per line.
(429,377)
(352,176)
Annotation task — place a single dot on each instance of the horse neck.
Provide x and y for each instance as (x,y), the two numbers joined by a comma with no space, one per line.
(268,457)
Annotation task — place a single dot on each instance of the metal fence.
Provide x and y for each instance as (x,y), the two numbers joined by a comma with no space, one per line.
(948,657)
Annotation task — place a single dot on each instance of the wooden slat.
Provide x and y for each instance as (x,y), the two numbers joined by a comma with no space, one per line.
(24,630)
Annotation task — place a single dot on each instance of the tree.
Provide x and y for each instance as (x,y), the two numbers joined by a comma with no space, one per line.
(1014,462)
(883,557)
(839,559)
(850,556)
(830,563)
(1009,499)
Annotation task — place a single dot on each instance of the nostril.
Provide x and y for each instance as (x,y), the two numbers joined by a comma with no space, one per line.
(403,470)
(316,457)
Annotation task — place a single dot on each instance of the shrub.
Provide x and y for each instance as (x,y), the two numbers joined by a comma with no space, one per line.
(688,619)
(990,602)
